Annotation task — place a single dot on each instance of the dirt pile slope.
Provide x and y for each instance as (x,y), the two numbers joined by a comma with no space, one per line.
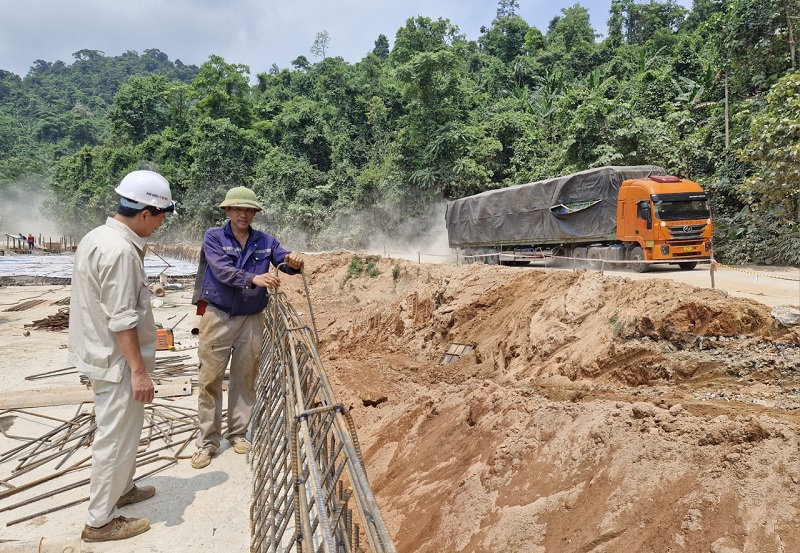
(595,413)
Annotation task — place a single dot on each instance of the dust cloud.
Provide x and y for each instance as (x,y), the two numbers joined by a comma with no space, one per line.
(421,238)
(21,212)
(380,230)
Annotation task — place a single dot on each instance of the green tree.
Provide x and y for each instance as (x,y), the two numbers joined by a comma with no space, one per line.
(616,22)
(774,151)
(302,129)
(294,191)
(534,41)
(381,48)
(571,42)
(421,34)
(222,91)
(301,63)
(754,41)
(223,155)
(505,39)
(141,108)
(571,29)
(643,21)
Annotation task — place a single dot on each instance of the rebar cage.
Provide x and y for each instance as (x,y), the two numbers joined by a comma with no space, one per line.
(310,487)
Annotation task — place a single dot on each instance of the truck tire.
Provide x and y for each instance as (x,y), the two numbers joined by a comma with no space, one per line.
(595,257)
(469,256)
(579,254)
(687,265)
(636,260)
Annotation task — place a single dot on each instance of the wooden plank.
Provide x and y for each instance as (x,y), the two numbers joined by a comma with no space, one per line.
(175,387)
(45,398)
(76,395)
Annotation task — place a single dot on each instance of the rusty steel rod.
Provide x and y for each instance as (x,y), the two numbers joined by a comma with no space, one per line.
(310,489)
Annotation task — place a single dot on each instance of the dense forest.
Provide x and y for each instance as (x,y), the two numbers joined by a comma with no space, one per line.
(712,94)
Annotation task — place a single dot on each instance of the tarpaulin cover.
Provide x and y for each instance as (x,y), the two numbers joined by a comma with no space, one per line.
(522,214)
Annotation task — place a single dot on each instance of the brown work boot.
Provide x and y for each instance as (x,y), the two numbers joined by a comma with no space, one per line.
(136,494)
(119,528)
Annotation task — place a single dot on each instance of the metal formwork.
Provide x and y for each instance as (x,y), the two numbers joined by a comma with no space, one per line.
(310,488)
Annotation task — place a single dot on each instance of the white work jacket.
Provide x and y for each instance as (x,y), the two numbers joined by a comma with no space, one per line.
(109,294)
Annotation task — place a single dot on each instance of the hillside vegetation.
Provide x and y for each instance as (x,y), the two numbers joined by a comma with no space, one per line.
(711,94)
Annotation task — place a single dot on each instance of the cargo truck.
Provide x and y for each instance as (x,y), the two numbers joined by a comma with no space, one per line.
(634,215)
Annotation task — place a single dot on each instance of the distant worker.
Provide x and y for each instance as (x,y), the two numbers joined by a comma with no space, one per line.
(231,293)
(112,340)
(31,241)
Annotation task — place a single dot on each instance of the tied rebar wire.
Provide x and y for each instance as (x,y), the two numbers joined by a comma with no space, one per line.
(310,487)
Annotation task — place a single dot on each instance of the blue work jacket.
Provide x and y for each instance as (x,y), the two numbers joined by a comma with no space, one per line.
(229,269)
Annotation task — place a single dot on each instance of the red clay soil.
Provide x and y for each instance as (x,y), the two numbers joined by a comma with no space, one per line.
(595,413)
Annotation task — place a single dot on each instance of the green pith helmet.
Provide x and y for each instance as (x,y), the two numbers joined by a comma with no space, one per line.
(241,196)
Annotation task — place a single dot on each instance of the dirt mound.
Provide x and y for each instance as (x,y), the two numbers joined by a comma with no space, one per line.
(594,413)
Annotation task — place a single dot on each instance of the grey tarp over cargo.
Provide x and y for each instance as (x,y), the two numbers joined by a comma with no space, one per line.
(521,214)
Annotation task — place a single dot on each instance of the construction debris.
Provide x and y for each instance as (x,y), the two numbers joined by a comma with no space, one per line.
(59,321)
(163,423)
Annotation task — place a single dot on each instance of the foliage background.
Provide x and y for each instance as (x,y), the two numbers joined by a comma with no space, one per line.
(340,152)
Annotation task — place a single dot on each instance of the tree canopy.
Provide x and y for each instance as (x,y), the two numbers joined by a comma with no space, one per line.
(710,93)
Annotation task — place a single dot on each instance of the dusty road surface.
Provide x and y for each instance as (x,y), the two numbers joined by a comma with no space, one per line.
(192,510)
(594,413)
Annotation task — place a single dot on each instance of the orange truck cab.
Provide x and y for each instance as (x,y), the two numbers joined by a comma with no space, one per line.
(664,218)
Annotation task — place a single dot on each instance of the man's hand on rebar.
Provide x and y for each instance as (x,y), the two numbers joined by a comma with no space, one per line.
(266,280)
(294,260)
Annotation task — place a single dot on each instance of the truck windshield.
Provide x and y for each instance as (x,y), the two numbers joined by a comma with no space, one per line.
(675,210)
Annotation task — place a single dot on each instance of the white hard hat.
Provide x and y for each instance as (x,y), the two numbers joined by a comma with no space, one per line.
(145,188)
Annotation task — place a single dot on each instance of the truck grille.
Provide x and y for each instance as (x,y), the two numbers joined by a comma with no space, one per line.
(686,232)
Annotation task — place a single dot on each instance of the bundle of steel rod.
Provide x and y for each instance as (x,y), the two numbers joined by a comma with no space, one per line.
(59,321)
(62,301)
(167,432)
(166,367)
(170,367)
(310,488)
(25,305)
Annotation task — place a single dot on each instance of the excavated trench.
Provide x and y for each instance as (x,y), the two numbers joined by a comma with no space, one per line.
(593,413)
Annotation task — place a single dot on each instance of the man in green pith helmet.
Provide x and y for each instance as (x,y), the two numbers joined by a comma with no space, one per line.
(231,294)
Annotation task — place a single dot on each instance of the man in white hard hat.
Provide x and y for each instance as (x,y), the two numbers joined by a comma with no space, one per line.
(231,293)
(112,340)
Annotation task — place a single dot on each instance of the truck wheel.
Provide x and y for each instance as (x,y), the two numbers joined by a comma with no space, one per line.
(688,265)
(636,258)
(579,254)
(473,255)
(595,257)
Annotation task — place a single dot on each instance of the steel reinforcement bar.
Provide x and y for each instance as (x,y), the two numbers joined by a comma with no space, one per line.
(310,488)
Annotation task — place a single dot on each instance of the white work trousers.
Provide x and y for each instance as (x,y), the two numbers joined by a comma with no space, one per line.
(119,421)
(235,340)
